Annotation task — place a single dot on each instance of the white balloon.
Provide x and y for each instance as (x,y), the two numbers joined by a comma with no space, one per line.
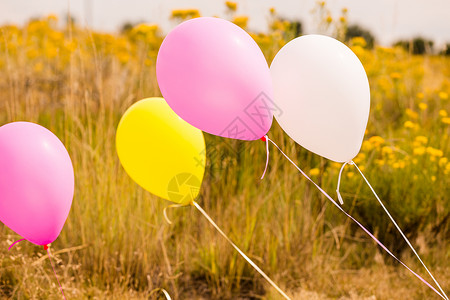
(323,92)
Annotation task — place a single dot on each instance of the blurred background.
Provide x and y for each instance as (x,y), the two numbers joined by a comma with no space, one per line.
(388,20)
(76,66)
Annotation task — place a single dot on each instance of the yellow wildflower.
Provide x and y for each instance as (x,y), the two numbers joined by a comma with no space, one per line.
(386,150)
(419,151)
(272,10)
(412,114)
(409,124)
(342,19)
(423,106)
(336,165)
(350,174)
(421,139)
(396,75)
(314,172)
(367,146)
(446,120)
(380,162)
(443,95)
(420,95)
(399,164)
(231,5)
(360,157)
(359,41)
(241,21)
(433,178)
(435,152)
(329,19)
(376,140)
(443,113)
(443,161)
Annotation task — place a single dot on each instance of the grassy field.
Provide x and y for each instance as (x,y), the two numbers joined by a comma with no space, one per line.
(116,243)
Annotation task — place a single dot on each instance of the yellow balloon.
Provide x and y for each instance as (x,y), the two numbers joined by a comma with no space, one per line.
(161,152)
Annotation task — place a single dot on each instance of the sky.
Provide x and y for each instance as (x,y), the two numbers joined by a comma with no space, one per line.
(388,20)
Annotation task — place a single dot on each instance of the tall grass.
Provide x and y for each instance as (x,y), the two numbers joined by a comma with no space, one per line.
(116,243)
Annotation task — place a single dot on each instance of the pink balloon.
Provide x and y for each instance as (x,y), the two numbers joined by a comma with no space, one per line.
(215,77)
(36,182)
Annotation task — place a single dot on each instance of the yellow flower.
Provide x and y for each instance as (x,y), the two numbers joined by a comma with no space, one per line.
(443,95)
(359,41)
(435,152)
(419,151)
(241,21)
(399,164)
(443,113)
(231,5)
(314,172)
(446,120)
(123,57)
(376,140)
(360,157)
(52,17)
(423,106)
(420,95)
(409,124)
(184,14)
(272,10)
(386,150)
(342,19)
(443,161)
(329,19)
(412,114)
(350,174)
(336,165)
(433,178)
(421,139)
(367,146)
(362,168)
(380,162)
(344,10)
(396,75)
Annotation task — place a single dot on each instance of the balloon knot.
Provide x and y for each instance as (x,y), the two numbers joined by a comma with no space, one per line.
(45,247)
(263,139)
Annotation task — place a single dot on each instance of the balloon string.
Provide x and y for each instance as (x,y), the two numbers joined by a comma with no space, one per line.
(240,251)
(399,230)
(359,224)
(165,212)
(166,294)
(341,201)
(265,139)
(54,271)
(18,241)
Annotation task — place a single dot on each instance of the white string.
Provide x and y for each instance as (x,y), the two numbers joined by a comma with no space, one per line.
(341,201)
(166,294)
(266,139)
(399,230)
(165,212)
(240,252)
(359,224)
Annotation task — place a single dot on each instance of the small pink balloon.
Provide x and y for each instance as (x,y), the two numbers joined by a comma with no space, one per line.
(36,182)
(215,77)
